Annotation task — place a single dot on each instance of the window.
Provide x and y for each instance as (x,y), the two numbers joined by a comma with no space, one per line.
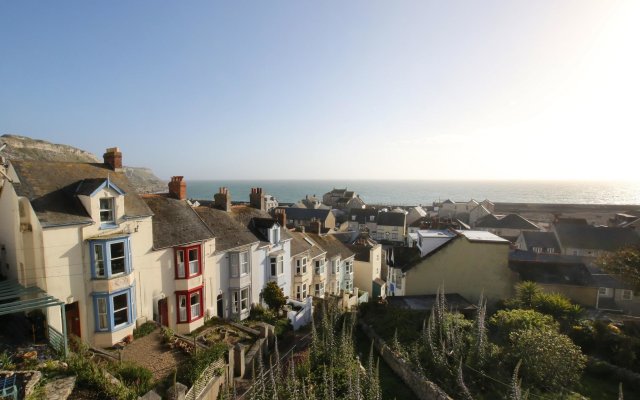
(551,250)
(319,289)
(107,214)
(240,301)
(537,249)
(348,267)
(603,291)
(239,263)
(335,267)
(188,262)
(319,270)
(190,305)
(627,294)
(277,265)
(304,290)
(274,235)
(353,217)
(394,236)
(301,266)
(110,258)
(348,285)
(114,311)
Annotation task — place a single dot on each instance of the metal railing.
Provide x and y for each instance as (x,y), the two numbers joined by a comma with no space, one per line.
(210,373)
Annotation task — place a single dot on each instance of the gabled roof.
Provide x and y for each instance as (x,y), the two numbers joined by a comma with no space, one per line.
(298,244)
(89,187)
(175,223)
(421,212)
(510,221)
(306,214)
(580,236)
(543,240)
(51,187)
(229,233)
(391,219)
(362,252)
(331,245)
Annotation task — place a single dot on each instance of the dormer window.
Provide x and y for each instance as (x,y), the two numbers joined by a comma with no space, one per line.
(275,234)
(107,210)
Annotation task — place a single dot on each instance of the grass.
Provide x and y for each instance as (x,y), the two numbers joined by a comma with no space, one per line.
(144,330)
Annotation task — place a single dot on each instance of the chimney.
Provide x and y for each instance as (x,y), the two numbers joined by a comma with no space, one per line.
(178,188)
(222,199)
(281,216)
(256,199)
(113,158)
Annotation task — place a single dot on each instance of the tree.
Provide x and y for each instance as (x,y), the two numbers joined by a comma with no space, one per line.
(549,359)
(506,321)
(624,263)
(526,292)
(274,296)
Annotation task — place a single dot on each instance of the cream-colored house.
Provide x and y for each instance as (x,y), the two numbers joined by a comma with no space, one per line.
(469,263)
(338,264)
(367,267)
(391,227)
(80,232)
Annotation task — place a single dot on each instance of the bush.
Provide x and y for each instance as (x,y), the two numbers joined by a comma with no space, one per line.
(144,329)
(135,376)
(549,359)
(505,322)
(557,306)
(190,371)
(5,361)
(274,296)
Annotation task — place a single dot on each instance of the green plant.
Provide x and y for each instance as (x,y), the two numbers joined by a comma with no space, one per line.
(506,321)
(167,334)
(144,329)
(274,296)
(190,371)
(6,361)
(135,376)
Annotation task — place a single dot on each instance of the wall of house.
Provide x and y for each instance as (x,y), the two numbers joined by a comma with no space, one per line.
(303,278)
(10,238)
(467,268)
(585,296)
(476,214)
(365,272)
(385,232)
(631,307)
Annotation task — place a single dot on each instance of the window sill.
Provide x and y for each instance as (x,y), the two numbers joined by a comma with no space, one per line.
(110,225)
(188,277)
(192,320)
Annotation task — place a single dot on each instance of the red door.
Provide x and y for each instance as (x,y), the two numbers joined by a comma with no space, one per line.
(163,309)
(72,314)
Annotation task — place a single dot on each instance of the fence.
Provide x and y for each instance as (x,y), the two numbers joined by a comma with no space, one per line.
(302,317)
(56,340)
(209,374)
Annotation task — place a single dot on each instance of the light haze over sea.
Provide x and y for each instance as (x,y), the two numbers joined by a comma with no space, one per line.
(414,192)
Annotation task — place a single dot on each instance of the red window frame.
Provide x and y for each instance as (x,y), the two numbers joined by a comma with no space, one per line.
(186,249)
(188,294)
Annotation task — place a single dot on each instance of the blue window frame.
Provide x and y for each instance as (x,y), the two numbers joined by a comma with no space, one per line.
(110,258)
(114,311)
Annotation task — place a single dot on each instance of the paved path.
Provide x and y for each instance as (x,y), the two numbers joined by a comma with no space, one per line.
(154,355)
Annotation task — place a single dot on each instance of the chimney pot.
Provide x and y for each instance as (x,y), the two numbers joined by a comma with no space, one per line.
(113,158)
(178,188)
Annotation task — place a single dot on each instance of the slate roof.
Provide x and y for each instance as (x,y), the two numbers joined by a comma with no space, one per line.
(509,221)
(246,214)
(298,244)
(331,245)
(426,302)
(362,214)
(362,252)
(391,219)
(228,231)
(86,187)
(306,214)
(264,223)
(51,188)
(175,223)
(543,240)
(592,237)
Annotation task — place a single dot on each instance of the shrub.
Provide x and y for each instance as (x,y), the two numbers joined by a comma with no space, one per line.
(506,321)
(549,359)
(190,371)
(135,376)
(6,362)
(274,296)
(557,306)
(144,329)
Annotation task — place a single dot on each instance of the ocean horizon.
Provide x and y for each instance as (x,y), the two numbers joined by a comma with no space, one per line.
(425,192)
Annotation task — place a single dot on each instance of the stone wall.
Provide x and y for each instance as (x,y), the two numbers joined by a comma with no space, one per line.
(421,387)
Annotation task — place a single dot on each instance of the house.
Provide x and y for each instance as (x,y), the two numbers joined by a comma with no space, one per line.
(391,227)
(581,239)
(80,232)
(360,219)
(456,209)
(508,226)
(184,263)
(415,214)
(305,217)
(262,201)
(308,262)
(311,202)
(578,279)
(478,213)
(367,268)
(342,199)
(470,263)
(339,263)
(538,242)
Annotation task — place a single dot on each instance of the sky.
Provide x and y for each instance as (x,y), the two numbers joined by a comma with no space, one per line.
(545,89)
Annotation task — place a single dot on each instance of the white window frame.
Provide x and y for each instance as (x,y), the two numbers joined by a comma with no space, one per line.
(180,257)
(98,250)
(194,265)
(604,291)
(103,322)
(319,289)
(123,257)
(304,290)
(244,300)
(110,208)
(319,268)
(182,308)
(627,295)
(125,308)
(195,314)
(335,267)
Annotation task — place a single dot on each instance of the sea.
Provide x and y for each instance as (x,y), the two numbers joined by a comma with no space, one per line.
(425,192)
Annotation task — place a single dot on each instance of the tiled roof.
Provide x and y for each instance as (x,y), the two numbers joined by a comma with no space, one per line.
(391,219)
(331,245)
(599,238)
(510,221)
(228,231)
(175,223)
(306,214)
(362,215)
(545,240)
(51,189)
(298,244)
(362,252)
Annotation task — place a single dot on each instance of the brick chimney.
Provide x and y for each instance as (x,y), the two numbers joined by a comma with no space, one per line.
(256,199)
(222,199)
(178,188)
(113,158)
(280,215)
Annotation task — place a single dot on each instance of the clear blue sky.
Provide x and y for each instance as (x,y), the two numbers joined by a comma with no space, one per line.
(331,89)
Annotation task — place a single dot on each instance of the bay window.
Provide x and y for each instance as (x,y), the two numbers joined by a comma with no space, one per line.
(110,258)
(188,262)
(301,266)
(319,289)
(190,305)
(114,311)
(319,270)
(240,301)
(239,264)
(277,265)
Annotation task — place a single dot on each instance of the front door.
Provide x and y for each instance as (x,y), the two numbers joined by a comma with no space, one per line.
(163,310)
(72,314)
(220,306)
